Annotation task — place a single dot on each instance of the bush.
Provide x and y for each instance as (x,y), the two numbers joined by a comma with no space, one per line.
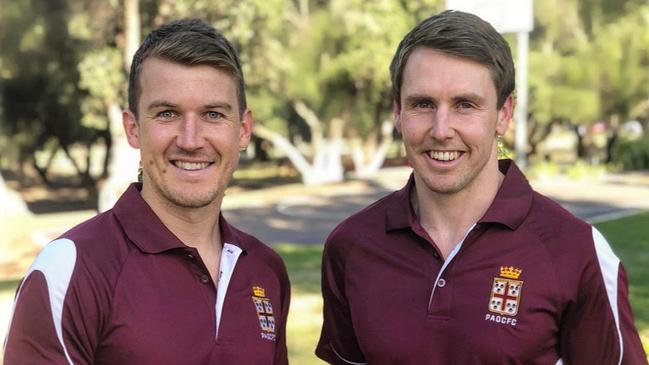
(632,155)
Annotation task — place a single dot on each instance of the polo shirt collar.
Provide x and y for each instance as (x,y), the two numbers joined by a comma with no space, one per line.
(510,206)
(146,230)
(513,200)
(400,214)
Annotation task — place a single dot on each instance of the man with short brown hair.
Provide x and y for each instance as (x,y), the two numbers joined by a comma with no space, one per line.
(467,264)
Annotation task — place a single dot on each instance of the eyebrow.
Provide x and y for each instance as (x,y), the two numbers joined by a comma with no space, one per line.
(160,104)
(466,96)
(166,104)
(227,107)
(417,97)
(471,97)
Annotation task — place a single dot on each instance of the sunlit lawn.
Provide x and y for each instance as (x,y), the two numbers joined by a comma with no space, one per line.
(628,236)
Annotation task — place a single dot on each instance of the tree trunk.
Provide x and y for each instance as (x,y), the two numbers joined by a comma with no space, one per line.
(368,158)
(326,166)
(11,205)
(124,160)
(123,164)
(613,134)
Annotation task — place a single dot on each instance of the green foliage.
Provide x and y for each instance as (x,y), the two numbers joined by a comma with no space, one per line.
(632,155)
(101,75)
(589,64)
(47,81)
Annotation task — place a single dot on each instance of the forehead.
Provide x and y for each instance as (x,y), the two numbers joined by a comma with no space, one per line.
(161,78)
(429,70)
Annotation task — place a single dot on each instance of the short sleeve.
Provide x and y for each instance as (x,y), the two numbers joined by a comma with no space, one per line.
(338,343)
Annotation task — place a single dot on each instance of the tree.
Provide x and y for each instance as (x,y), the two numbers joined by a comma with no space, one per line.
(43,105)
(588,65)
(330,93)
(124,160)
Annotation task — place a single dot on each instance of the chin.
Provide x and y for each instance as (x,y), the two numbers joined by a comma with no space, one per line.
(442,185)
(192,199)
(191,202)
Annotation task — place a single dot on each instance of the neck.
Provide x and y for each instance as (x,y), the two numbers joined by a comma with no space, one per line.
(195,227)
(446,217)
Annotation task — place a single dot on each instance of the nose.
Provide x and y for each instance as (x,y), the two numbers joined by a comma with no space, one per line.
(441,128)
(189,137)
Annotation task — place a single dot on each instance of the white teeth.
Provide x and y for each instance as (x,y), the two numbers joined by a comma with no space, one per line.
(444,156)
(190,165)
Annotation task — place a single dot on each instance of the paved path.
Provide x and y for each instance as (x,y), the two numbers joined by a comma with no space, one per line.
(307,215)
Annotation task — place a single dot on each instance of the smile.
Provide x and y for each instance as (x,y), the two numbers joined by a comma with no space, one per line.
(191,166)
(444,155)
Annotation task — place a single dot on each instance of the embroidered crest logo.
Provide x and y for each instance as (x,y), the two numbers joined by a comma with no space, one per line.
(264,312)
(506,291)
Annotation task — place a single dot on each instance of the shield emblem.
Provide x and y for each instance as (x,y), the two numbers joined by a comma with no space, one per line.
(268,307)
(505,296)
(258,305)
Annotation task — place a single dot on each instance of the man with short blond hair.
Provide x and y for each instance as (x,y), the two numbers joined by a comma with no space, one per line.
(162,278)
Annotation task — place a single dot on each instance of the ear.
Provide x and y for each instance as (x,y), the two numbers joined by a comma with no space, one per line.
(505,115)
(131,128)
(396,110)
(245,130)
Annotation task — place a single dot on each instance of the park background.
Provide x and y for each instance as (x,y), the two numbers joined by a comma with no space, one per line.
(324,142)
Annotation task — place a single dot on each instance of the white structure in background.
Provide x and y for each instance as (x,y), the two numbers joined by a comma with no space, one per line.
(509,16)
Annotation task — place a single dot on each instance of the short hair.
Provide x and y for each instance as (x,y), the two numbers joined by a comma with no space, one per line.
(189,42)
(463,35)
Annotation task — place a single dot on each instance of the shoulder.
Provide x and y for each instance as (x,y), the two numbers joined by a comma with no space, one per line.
(100,238)
(366,230)
(92,252)
(579,252)
(371,218)
(556,226)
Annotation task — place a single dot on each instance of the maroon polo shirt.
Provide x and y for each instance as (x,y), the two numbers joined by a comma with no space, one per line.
(120,288)
(529,284)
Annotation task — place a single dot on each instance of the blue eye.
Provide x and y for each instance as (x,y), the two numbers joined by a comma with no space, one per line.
(423,104)
(166,114)
(214,115)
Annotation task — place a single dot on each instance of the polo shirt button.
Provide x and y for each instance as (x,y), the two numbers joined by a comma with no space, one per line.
(205,279)
(441,282)
(190,256)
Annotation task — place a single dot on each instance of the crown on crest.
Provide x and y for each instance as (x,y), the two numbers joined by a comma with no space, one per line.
(510,272)
(258,291)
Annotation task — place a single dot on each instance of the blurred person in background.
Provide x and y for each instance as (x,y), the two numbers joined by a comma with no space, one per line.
(162,278)
(467,264)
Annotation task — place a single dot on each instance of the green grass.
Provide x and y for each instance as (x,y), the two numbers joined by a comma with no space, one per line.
(305,317)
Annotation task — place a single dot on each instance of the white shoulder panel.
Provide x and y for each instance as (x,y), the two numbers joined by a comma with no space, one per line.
(56,262)
(609,265)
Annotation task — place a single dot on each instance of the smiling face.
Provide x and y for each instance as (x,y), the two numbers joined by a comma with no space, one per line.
(189,132)
(449,121)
